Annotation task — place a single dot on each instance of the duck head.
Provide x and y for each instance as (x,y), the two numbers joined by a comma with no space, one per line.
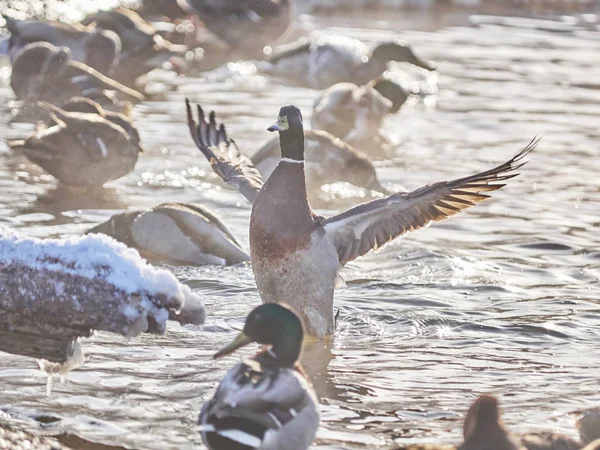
(482,415)
(392,91)
(484,429)
(290,126)
(401,52)
(275,325)
(102,49)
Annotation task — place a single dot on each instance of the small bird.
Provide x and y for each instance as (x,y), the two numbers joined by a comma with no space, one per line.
(246,26)
(296,255)
(328,160)
(483,429)
(142,48)
(321,63)
(81,149)
(265,402)
(355,114)
(183,233)
(96,48)
(43,72)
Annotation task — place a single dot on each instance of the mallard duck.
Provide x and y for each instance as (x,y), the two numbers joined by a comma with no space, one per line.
(265,402)
(328,160)
(82,149)
(246,26)
(87,105)
(484,430)
(143,49)
(96,48)
(178,232)
(43,72)
(296,255)
(355,114)
(328,60)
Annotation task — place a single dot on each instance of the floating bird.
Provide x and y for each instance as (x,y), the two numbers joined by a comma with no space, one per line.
(484,430)
(265,402)
(96,48)
(246,26)
(143,49)
(82,149)
(43,72)
(184,233)
(87,105)
(355,114)
(328,60)
(328,160)
(296,255)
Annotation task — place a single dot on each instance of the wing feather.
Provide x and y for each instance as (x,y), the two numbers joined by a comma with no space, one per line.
(370,225)
(222,153)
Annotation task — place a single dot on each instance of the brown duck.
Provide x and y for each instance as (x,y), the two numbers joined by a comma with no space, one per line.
(82,148)
(296,255)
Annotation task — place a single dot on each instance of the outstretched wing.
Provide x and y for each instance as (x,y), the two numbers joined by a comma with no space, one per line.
(370,225)
(226,160)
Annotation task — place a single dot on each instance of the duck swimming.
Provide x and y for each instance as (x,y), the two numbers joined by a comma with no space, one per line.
(328,60)
(82,148)
(355,114)
(327,160)
(265,402)
(293,250)
(43,72)
(183,233)
(96,48)
(245,26)
(484,430)
(142,48)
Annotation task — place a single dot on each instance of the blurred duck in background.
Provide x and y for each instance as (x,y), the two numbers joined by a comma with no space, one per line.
(244,26)
(328,160)
(43,72)
(83,148)
(181,233)
(94,47)
(484,430)
(142,48)
(328,60)
(265,402)
(355,114)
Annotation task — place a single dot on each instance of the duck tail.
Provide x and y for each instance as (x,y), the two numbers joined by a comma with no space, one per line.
(11,24)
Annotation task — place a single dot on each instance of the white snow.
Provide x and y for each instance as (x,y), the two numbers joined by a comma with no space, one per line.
(90,256)
(146,290)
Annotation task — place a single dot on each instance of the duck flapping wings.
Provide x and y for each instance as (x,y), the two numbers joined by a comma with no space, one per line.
(370,225)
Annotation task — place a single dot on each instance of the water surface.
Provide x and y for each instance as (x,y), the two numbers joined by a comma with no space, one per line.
(503,299)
